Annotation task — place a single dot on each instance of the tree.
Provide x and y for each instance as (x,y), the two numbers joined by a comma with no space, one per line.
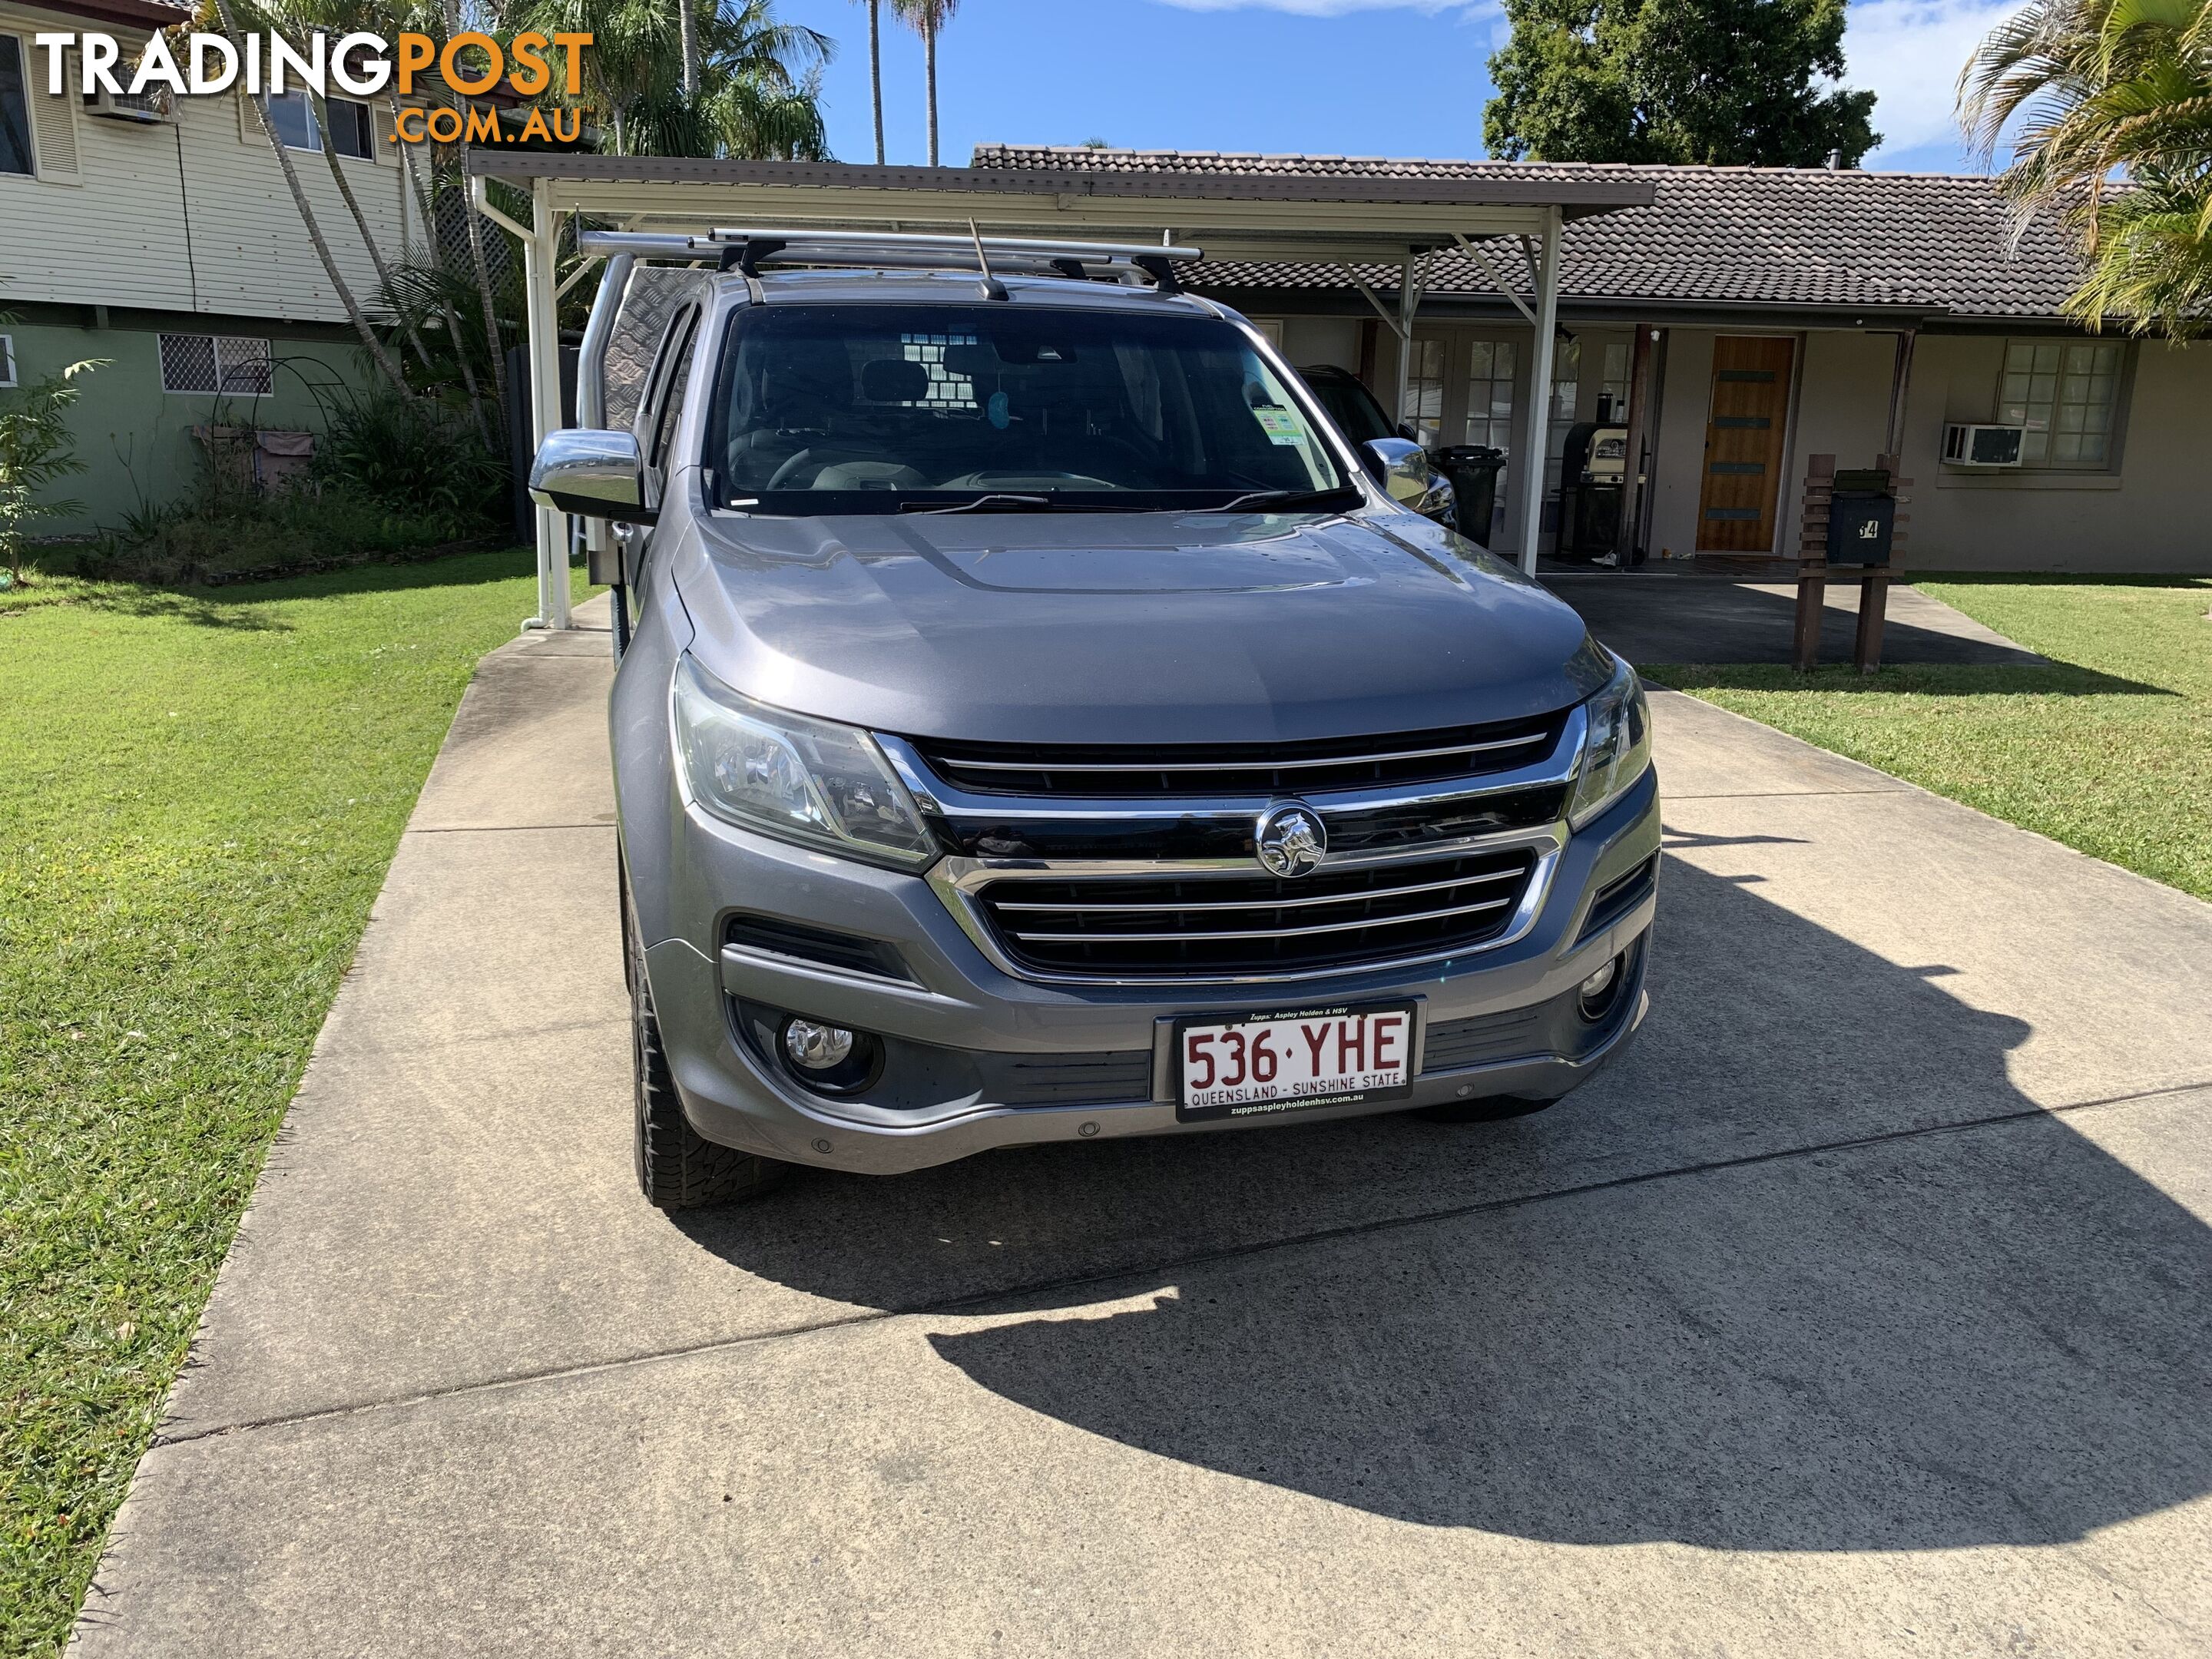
(757,95)
(928,18)
(876,69)
(297,19)
(2108,106)
(227,20)
(1722,83)
(35,449)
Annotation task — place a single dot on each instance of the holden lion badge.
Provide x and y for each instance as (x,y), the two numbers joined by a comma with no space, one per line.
(1289,839)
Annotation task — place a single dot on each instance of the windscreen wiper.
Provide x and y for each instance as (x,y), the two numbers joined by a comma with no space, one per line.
(995,503)
(1286,501)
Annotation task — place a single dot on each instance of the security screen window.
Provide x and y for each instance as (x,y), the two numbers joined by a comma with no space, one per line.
(292,114)
(828,409)
(15,109)
(349,128)
(2064,394)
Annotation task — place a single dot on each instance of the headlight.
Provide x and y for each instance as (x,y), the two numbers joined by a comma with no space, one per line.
(1616,745)
(787,775)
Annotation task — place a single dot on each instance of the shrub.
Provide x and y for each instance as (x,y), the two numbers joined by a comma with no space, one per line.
(227,535)
(409,457)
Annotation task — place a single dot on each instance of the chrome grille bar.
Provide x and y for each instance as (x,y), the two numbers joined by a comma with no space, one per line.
(1202,904)
(1056,767)
(1356,925)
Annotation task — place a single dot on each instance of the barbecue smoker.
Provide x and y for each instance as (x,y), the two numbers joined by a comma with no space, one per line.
(1035,721)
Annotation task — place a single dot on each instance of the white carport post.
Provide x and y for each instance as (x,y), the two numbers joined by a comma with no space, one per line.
(540,279)
(1409,301)
(1539,391)
(541,243)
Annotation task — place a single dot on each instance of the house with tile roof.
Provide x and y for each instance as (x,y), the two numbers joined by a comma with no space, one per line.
(1745,321)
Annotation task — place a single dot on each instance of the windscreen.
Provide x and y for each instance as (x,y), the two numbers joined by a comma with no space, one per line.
(850,409)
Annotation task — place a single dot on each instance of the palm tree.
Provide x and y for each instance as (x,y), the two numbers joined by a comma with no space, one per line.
(2106,108)
(756,94)
(876,69)
(227,20)
(928,17)
(687,28)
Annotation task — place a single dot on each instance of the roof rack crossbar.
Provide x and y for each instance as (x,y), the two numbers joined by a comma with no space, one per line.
(746,250)
(1041,247)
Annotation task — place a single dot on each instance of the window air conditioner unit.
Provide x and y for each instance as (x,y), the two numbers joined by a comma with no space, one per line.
(146,108)
(1983,446)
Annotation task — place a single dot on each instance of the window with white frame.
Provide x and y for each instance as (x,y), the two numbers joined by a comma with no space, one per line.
(292,114)
(15,155)
(7,360)
(2065,394)
(215,364)
(1424,391)
(1614,384)
(1491,366)
(1566,379)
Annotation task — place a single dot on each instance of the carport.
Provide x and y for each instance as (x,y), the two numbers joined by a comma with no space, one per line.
(1358,222)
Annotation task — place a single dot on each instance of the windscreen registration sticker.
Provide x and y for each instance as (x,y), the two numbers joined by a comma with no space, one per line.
(1281,425)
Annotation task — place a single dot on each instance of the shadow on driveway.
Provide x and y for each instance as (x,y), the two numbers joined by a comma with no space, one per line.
(1928,1337)
(1702,619)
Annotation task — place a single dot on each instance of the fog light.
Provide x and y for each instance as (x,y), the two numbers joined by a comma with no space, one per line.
(830,1059)
(815,1047)
(1600,994)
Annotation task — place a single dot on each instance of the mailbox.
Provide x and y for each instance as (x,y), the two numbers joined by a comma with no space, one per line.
(1861,518)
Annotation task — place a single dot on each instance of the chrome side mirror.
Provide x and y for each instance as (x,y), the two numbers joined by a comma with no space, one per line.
(594,474)
(1408,478)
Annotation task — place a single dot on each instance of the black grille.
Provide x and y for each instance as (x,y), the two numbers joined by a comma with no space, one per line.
(1068,1079)
(1509,1035)
(1619,895)
(1196,927)
(783,937)
(1216,770)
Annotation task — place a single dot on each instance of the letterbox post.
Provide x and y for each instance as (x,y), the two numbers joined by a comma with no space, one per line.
(1873,594)
(1812,555)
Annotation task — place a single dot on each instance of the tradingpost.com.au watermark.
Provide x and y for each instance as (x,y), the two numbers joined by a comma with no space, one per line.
(199,63)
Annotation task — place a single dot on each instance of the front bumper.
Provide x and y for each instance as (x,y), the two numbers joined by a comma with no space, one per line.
(961,1037)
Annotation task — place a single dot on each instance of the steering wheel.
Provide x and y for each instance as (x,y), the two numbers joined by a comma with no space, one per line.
(777,478)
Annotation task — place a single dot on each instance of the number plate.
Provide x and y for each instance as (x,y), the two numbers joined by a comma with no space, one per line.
(1291,1061)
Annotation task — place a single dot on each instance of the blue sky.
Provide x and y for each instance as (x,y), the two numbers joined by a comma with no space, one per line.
(1360,77)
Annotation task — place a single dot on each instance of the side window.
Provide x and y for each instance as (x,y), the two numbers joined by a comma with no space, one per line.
(676,376)
(2065,394)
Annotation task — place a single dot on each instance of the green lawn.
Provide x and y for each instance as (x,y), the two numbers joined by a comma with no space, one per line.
(200,794)
(2109,750)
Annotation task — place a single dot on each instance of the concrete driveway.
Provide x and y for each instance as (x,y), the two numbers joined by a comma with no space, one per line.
(1862,1310)
(1651,616)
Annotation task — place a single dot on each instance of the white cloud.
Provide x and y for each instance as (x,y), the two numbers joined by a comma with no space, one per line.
(1909,53)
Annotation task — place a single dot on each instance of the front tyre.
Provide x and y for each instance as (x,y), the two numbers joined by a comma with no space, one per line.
(677,1167)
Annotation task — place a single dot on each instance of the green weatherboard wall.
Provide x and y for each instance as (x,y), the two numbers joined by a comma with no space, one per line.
(134,438)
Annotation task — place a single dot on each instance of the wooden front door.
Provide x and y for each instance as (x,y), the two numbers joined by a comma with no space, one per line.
(1743,444)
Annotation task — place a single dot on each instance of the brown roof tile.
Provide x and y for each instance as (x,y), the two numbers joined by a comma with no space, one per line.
(1794,236)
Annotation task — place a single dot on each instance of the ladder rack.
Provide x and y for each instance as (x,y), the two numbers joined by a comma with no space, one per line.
(748,248)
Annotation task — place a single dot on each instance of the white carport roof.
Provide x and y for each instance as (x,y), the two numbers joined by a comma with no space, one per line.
(1371,218)
(1347,218)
